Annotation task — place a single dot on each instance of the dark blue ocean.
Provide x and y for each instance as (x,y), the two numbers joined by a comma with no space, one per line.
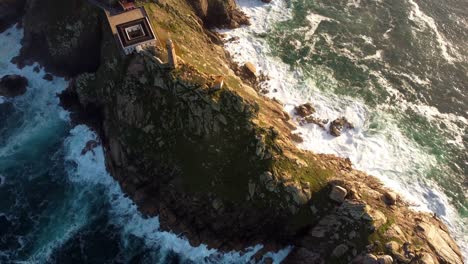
(60,206)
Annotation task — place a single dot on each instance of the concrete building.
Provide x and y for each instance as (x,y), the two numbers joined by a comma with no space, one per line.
(132,29)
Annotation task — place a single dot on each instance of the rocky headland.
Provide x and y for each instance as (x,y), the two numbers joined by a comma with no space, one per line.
(218,164)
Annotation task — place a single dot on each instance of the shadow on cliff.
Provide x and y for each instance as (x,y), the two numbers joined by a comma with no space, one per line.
(63,36)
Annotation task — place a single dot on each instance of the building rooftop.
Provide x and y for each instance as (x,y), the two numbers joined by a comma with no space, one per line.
(134,32)
(131,28)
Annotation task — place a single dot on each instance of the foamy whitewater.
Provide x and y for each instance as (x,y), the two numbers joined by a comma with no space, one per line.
(57,205)
(383,151)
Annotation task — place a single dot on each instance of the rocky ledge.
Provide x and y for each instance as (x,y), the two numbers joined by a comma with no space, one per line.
(218,165)
(13,85)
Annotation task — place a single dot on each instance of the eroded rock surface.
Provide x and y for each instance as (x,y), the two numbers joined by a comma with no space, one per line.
(219,13)
(337,126)
(13,85)
(219,166)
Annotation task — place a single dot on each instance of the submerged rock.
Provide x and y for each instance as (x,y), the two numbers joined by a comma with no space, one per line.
(337,126)
(304,110)
(48,77)
(90,146)
(13,85)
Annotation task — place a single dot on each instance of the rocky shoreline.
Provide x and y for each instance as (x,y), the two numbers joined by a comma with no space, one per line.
(219,166)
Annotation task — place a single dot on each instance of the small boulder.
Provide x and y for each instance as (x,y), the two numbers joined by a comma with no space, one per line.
(299,194)
(90,146)
(304,110)
(392,247)
(250,69)
(297,138)
(13,85)
(48,77)
(338,193)
(385,259)
(217,204)
(426,258)
(337,126)
(340,250)
(377,217)
(390,198)
(369,259)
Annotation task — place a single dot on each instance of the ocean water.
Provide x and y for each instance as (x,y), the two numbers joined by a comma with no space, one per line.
(59,206)
(396,69)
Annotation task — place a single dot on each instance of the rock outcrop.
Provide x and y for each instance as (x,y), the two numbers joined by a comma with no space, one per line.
(304,110)
(219,166)
(219,13)
(10,12)
(13,85)
(65,36)
(337,126)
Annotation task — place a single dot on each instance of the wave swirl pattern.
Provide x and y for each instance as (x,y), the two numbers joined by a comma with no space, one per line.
(395,69)
(59,206)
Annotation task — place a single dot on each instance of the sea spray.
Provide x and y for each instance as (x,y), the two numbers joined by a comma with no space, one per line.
(380,143)
(90,170)
(58,205)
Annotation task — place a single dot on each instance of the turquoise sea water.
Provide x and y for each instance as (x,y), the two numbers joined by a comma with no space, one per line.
(396,69)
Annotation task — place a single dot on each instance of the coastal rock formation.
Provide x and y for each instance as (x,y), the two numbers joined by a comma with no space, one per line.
(337,126)
(13,85)
(219,13)
(65,36)
(219,165)
(10,12)
(304,110)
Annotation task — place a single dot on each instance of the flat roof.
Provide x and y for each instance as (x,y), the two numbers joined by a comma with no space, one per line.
(123,17)
(141,32)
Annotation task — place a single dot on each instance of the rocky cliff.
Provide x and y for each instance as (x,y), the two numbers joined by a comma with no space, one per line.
(218,165)
(10,12)
(75,49)
(219,13)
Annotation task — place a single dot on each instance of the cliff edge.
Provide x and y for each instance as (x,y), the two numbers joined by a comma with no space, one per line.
(218,164)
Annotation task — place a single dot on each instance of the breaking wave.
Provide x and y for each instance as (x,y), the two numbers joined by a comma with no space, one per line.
(384,142)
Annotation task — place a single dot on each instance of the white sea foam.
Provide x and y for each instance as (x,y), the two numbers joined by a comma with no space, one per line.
(39,104)
(90,170)
(43,118)
(425,21)
(384,151)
